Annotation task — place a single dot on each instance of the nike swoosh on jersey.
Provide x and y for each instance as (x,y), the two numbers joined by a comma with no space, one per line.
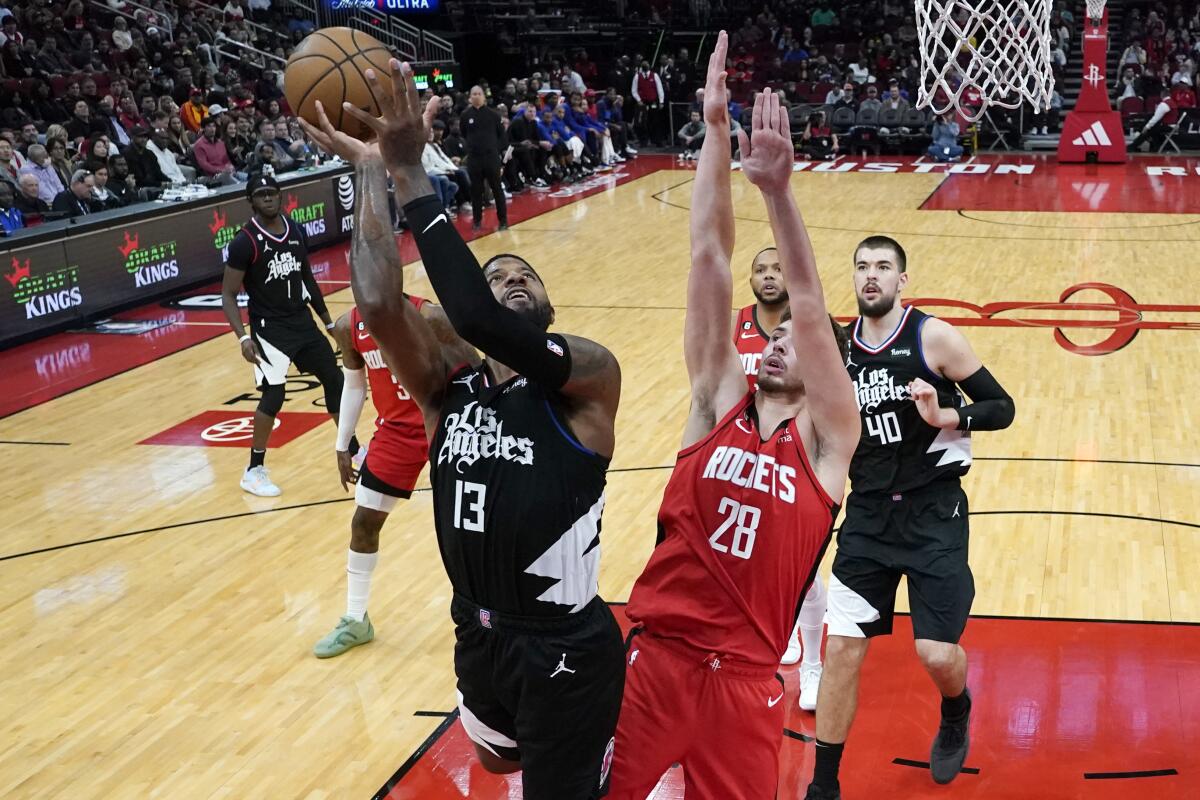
(436,220)
(772,703)
(364,336)
(751,335)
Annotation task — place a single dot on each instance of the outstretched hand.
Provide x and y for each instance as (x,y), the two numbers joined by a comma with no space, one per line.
(403,127)
(767,153)
(716,95)
(333,141)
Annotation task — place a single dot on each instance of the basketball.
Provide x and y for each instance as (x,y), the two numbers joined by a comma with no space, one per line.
(330,65)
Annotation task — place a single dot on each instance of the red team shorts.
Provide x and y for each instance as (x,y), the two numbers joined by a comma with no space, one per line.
(722,722)
(395,458)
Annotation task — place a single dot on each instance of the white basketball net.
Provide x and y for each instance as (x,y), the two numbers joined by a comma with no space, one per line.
(999,47)
(1095,9)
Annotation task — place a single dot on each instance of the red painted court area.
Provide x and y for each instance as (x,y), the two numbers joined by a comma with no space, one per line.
(1151,185)
(1063,709)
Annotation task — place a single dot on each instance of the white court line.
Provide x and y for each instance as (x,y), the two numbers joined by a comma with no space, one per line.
(920,160)
(219,324)
(969,160)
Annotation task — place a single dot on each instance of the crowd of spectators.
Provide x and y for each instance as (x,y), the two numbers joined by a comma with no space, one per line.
(104,107)
(1156,80)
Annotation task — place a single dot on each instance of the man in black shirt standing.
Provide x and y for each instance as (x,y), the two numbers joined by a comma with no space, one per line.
(486,139)
(270,256)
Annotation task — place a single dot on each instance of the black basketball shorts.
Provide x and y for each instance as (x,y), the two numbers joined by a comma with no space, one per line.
(921,535)
(283,343)
(545,692)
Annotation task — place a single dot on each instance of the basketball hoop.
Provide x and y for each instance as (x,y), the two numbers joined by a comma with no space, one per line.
(1095,10)
(981,53)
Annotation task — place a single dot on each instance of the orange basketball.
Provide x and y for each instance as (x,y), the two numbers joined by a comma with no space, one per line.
(330,65)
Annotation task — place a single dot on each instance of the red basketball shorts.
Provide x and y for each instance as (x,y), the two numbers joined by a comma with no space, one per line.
(724,724)
(395,458)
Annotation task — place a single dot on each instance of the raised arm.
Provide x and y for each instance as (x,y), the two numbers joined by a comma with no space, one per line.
(581,369)
(767,161)
(714,371)
(413,352)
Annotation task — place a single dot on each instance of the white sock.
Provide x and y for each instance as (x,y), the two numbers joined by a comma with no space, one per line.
(812,622)
(359,567)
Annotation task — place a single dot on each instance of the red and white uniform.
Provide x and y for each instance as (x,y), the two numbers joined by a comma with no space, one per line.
(743,525)
(750,340)
(398,450)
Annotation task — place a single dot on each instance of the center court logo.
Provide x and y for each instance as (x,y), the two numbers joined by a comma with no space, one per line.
(151,264)
(44,294)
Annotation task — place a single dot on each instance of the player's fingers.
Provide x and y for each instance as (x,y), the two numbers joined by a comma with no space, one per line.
(323,121)
(365,117)
(743,144)
(384,99)
(431,111)
(757,116)
(785,124)
(770,102)
(410,89)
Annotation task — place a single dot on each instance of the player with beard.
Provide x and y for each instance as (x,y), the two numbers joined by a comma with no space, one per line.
(750,337)
(519,451)
(749,507)
(906,513)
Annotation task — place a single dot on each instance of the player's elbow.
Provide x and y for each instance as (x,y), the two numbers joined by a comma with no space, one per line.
(1006,412)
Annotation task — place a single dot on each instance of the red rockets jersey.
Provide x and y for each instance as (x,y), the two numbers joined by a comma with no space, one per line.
(750,340)
(743,525)
(392,402)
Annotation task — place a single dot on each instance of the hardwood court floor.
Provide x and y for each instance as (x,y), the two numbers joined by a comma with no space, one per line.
(172,657)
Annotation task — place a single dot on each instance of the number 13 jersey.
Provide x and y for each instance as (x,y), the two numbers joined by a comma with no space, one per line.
(517,500)
(742,528)
(898,450)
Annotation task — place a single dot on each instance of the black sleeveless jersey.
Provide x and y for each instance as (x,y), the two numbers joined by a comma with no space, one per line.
(516,499)
(899,451)
(275,268)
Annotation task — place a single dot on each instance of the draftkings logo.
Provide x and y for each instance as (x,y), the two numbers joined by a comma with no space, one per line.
(49,293)
(151,264)
(222,231)
(312,216)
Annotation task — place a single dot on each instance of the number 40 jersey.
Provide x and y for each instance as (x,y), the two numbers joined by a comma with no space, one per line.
(899,451)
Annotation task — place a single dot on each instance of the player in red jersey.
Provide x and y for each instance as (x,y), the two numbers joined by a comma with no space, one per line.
(750,337)
(394,459)
(748,510)
(751,326)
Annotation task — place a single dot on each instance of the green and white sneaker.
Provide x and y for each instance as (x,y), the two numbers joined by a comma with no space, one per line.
(348,633)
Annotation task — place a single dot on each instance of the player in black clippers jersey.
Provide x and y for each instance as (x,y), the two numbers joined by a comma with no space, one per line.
(907,513)
(519,448)
(269,256)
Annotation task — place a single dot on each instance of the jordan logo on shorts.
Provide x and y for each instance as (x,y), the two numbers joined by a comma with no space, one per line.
(956,514)
(562,667)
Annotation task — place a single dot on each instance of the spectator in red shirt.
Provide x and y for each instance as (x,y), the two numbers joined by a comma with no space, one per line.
(212,158)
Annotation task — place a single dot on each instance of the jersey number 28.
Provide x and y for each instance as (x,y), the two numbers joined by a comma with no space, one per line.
(744,522)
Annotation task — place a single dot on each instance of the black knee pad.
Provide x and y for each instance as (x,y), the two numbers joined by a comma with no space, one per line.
(271,400)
